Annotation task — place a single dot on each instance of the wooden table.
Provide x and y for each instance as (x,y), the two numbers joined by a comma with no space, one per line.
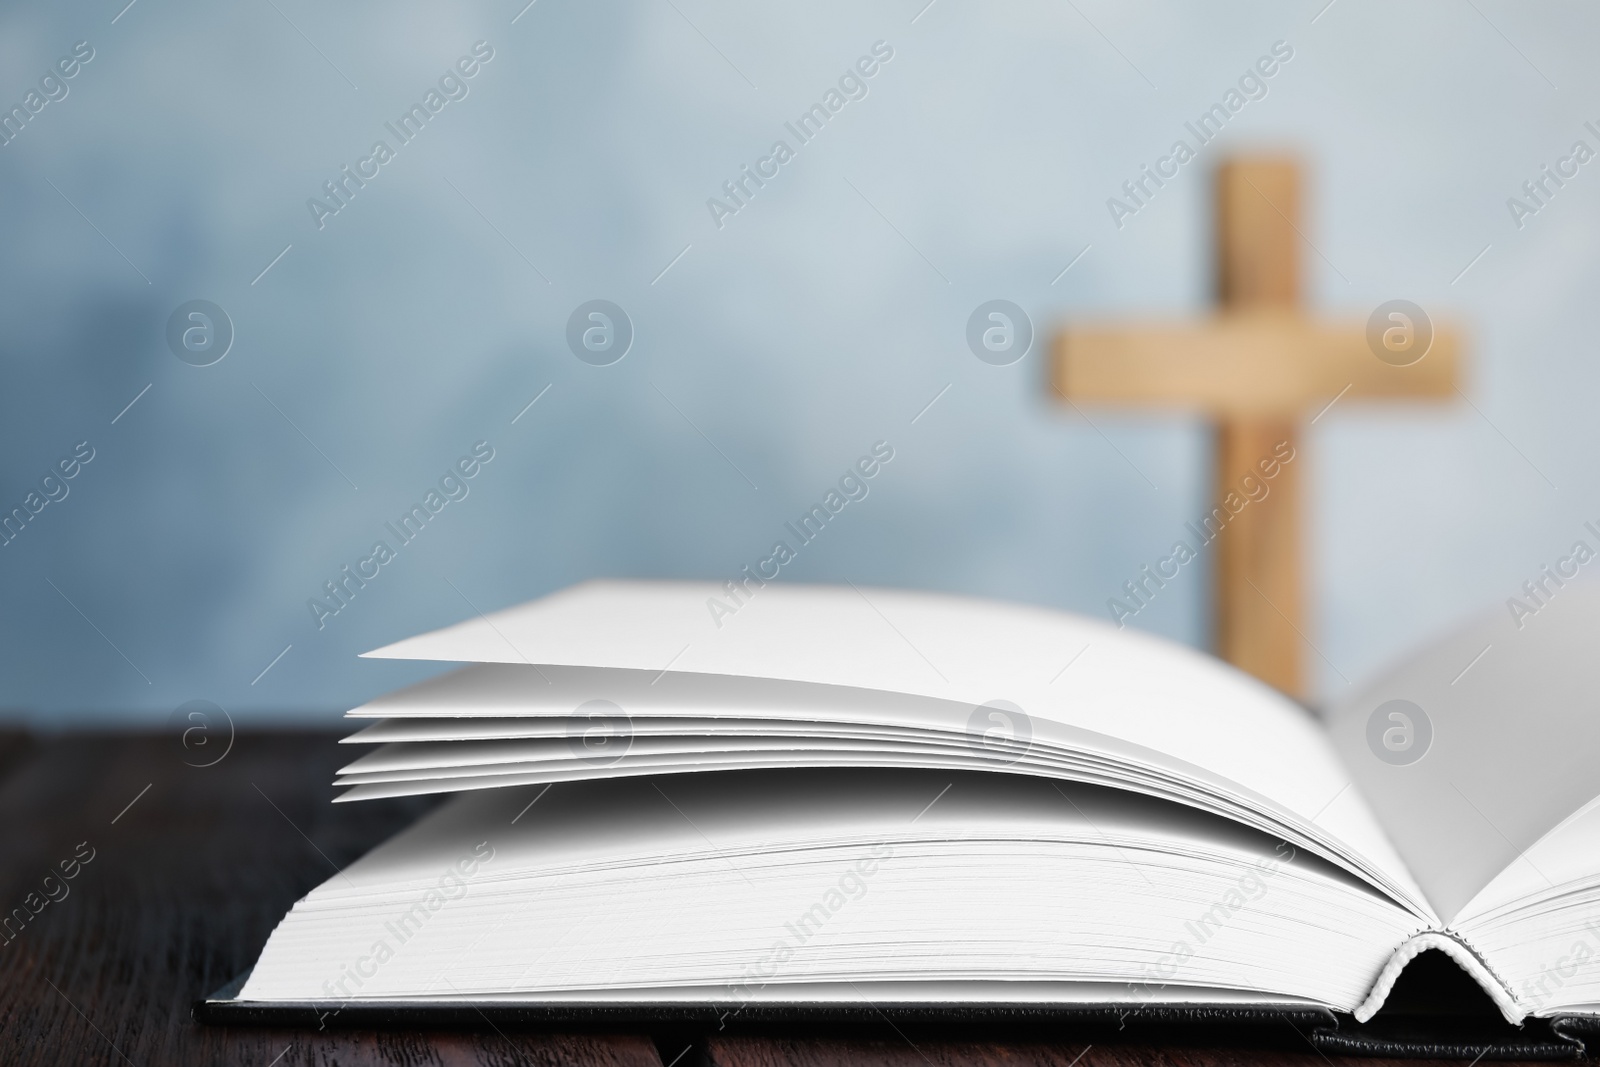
(192,868)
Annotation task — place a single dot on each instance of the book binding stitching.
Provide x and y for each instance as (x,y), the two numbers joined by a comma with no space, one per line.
(1459,951)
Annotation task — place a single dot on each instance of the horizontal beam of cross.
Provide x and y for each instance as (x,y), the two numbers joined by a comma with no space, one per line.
(1242,364)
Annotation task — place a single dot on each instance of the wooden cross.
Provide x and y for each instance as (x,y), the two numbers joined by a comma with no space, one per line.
(1256,367)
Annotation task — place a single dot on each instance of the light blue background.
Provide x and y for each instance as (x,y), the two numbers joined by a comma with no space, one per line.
(818,320)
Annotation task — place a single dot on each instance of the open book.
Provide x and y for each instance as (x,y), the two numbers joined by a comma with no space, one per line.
(835,796)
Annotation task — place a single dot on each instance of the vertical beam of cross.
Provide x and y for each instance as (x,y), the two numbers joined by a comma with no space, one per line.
(1259,597)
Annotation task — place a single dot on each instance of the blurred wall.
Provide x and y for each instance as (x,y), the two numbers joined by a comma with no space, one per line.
(374,346)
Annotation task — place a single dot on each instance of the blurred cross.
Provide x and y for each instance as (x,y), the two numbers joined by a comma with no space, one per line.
(1256,367)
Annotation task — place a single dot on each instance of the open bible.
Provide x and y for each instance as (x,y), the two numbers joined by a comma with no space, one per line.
(835,799)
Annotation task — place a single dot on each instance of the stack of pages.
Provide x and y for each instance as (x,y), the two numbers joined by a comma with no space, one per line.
(870,797)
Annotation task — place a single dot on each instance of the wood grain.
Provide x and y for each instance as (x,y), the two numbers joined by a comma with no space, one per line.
(182,890)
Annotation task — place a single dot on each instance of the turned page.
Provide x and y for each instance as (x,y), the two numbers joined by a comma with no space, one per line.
(1472,750)
(1056,667)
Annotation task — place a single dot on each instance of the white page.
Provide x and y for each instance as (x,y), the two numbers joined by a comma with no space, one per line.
(1143,870)
(932,993)
(455,756)
(641,821)
(1538,921)
(1055,666)
(1125,684)
(1514,714)
(463,728)
(1566,857)
(499,691)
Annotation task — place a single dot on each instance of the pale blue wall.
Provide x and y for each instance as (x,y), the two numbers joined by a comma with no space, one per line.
(794,337)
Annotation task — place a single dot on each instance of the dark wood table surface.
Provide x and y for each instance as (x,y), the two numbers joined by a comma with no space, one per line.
(193,866)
